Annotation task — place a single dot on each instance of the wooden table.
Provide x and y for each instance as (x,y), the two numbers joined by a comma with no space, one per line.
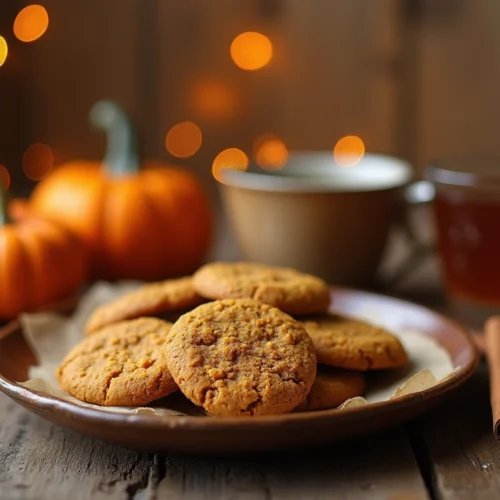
(449,453)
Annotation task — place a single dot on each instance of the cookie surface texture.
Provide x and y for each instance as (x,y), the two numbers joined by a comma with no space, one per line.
(239,357)
(147,300)
(287,289)
(349,343)
(333,387)
(121,365)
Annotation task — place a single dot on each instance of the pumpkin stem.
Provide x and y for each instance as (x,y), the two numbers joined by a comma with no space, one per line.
(122,156)
(4,213)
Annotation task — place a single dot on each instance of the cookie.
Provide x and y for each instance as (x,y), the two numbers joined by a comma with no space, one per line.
(121,365)
(148,300)
(332,387)
(353,344)
(287,289)
(239,357)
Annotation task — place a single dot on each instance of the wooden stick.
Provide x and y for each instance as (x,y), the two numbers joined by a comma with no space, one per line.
(492,351)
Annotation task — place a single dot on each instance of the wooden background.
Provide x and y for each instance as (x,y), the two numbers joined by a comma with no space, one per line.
(415,78)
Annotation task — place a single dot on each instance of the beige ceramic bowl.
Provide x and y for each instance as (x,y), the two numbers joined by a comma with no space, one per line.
(316,216)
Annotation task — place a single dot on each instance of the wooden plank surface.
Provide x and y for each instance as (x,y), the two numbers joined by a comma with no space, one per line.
(91,51)
(41,461)
(457,444)
(14,127)
(459,80)
(351,470)
(338,78)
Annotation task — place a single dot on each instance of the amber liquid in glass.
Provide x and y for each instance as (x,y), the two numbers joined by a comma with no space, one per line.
(469,245)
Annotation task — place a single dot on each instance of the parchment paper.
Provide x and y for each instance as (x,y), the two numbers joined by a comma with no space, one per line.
(52,335)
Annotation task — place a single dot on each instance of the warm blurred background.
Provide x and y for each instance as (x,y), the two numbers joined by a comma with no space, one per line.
(413,78)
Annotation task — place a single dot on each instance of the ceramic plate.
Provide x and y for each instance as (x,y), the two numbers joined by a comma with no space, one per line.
(191,434)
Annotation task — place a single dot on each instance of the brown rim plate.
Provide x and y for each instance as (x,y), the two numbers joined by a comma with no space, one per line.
(191,434)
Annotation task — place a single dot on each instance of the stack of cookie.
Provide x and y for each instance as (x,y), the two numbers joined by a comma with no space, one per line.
(247,340)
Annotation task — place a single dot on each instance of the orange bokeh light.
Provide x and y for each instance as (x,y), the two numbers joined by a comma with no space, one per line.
(270,152)
(38,161)
(348,151)
(4,50)
(232,158)
(183,139)
(251,50)
(4,177)
(213,99)
(31,23)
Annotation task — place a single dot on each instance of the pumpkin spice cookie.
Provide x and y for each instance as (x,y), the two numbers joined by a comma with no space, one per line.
(239,357)
(121,365)
(333,387)
(349,343)
(148,300)
(287,289)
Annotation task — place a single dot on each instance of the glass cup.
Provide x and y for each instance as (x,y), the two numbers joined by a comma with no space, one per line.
(467,214)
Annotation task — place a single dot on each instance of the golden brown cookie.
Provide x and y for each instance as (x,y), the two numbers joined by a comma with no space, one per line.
(287,289)
(239,357)
(147,300)
(332,387)
(121,365)
(353,344)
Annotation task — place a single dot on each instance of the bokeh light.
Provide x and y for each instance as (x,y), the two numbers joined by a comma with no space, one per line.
(4,177)
(213,99)
(251,50)
(4,50)
(348,151)
(38,161)
(183,139)
(31,23)
(270,152)
(19,209)
(232,158)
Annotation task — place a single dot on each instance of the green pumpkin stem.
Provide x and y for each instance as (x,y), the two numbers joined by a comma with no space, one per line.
(4,213)
(122,155)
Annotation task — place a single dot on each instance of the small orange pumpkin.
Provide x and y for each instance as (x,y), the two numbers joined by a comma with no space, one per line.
(40,263)
(144,223)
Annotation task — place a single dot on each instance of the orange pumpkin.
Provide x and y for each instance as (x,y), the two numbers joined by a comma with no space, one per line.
(144,223)
(40,263)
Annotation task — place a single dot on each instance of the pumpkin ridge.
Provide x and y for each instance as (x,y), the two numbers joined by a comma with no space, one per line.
(187,196)
(3,268)
(40,264)
(31,241)
(26,298)
(140,268)
(158,208)
(98,255)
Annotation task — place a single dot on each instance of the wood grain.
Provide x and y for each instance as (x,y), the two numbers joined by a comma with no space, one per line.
(41,461)
(89,52)
(337,63)
(459,80)
(457,445)
(199,82)
(14,107)
(421,89)
(351,470)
